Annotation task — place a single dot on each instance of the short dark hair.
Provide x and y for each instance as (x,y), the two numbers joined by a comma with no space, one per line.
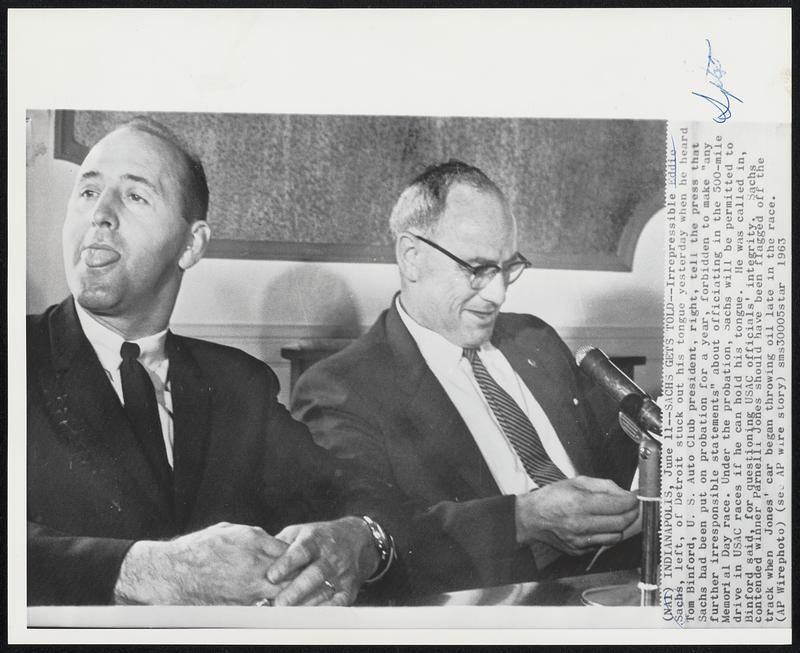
(195,192)
(423,201)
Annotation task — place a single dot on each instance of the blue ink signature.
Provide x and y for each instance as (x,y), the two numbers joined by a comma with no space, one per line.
(674,163)
(715,72)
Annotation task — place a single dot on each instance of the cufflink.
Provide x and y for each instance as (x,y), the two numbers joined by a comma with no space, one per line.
(532,363)
(575,401)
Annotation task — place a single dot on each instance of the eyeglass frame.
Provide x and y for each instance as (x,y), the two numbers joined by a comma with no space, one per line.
(477,270)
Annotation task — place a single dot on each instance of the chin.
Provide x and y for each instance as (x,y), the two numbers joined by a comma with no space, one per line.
(95,300)
(474,339)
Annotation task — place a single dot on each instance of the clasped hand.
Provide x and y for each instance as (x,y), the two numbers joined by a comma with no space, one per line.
(324,564)
(305,564)
(576,515)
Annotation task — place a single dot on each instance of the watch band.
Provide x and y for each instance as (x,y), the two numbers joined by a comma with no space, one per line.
(384,545)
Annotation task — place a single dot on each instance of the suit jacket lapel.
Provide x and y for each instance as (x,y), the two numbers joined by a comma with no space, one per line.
(557,397)
(191,408)
(443,434)
(92,411)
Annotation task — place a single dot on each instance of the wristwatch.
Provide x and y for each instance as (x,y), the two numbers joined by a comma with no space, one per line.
(384,545)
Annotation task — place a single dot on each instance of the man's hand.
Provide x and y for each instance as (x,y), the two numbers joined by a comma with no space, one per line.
(575,515)
(326,562)
(221,564)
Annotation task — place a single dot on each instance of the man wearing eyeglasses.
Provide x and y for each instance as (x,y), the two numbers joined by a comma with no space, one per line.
(481,418)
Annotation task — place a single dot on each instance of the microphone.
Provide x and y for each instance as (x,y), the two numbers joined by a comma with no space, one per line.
(633,401)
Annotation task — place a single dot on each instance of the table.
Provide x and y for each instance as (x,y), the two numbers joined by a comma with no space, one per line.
(561,591)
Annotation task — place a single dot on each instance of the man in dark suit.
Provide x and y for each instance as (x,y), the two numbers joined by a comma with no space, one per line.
(482,419)
(162,469)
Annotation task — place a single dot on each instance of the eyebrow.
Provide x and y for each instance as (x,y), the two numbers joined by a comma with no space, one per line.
(89,174)
(480,261)
(94,174)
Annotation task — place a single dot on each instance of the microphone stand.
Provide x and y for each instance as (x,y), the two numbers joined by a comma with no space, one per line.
(645,593)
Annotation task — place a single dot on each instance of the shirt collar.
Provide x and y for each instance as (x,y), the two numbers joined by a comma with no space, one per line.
(106,343)
(435,349)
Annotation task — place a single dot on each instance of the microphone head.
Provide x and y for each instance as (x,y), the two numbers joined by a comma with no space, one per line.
(583,352)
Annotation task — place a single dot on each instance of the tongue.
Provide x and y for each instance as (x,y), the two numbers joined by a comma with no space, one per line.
(97,258)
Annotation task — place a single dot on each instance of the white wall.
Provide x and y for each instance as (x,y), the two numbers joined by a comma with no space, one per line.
(261,306)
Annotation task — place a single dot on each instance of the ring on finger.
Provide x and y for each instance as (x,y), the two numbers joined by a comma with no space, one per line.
(263,603)
(330,586)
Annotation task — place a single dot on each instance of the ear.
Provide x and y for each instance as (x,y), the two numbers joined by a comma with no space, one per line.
(407,252)
(199,234)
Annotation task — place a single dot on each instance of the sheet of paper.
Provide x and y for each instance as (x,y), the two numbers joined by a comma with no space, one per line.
(660,64)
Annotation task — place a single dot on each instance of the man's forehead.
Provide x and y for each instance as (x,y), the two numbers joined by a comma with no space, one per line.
(475,210)
(463,193)
(134,149)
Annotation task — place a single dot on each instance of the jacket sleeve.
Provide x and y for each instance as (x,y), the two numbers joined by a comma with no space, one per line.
(313,484)
(69,570)
(446,546)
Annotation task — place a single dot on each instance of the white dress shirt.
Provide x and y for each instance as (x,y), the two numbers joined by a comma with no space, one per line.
(152,356)
(454,373)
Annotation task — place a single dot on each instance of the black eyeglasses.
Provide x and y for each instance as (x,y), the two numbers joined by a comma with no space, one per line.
(482,275)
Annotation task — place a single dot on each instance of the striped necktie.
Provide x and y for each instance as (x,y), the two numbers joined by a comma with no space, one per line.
(516,425)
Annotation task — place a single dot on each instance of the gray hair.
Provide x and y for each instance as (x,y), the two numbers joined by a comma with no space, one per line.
(423,201)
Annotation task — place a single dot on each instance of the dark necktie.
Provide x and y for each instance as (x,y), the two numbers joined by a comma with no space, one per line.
(142,410)
(516,425)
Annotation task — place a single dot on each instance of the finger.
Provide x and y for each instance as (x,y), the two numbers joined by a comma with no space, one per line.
(632,515)
(257,536)
(603,486)
(578,549)
(290,533)
(341,599)
(298,555)
(635,527)
(266,590)
(272,546)
(315,600)
(610,504)
(606,523)
(338,600)
(581,545)
(307,584)
(321,600)
(327,598)
(322,596)
(603,539)
(593,484)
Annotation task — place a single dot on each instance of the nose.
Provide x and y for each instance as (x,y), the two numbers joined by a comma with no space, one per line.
(495,290)
(104,212)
